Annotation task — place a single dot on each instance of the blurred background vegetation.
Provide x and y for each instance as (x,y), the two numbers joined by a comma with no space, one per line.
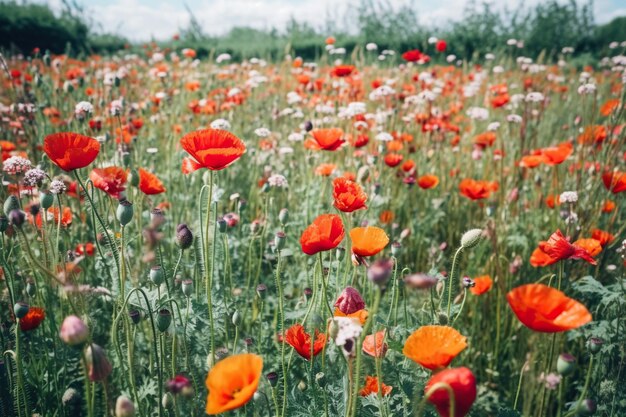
(544,29)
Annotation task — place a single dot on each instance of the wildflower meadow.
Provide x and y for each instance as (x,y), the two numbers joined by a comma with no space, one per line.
(375,233)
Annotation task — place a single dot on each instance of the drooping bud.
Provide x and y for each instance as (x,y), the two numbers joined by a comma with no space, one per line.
(283,216)
(420,281)
(350,301)
(124,407)
(20,309)
(74,331)
(17,218)
(97,362)
(380,271)
(471,238)
(184,237)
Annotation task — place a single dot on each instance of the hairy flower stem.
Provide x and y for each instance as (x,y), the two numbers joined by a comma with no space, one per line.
(281,313)
(208,266)
(21,393)
(452,278)
(431,391)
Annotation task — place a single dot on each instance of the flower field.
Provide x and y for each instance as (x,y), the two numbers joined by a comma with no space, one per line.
(386,233)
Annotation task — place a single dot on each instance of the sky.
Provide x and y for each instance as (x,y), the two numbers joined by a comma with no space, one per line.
(141,20)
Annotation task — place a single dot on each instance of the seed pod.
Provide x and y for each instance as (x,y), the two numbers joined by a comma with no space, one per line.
(124,212)
(187,287)
(20,309)
(164,319)
(566,364)
(10,204)
(156,275)
(46,200)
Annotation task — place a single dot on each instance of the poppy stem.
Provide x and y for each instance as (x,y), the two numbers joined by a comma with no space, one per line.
(208,266)
(451,279)
(431,391)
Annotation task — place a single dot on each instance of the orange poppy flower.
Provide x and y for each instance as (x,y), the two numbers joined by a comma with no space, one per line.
(70,151)
(213,149)
(477,190)
(545,309)
(608,206)
(374,345)
(555,155)
(428,181)
(368,241)
(614,181)
(463,384)
(348,195)
(301,341)
(485,139)
(149,184)
(371,387)
(557,247)
(609,107)
(360,315)
(325,170)
(111,180)
(325,233)
(482,285)
(232,382)
(408,165)
(32,319)
(66,216)
(592,246)
(325,139)
(386,216)
(603,237)
(434,347)
(539,258)
(531,161)
(592,134)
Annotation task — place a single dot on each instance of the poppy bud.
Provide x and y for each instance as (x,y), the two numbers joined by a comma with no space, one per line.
(320,379)
(241,205)
(340,253)
(471,238)
(70,398)
(565,364)
(279,240)
(124,212)
(221,225)
(587,407)
(167,401)
(261,289)
(20,309)
(255,226)
(157,217)
(187,287)
(156,275)
(283,216)
(350,301)
(97,362)
(184,237)
(396,249)
(468,282)
(46,200)
(595,345)
(272,378)
(308,125)
(135,316)
(362,174)
(31,288)
(124,407)
(442,318)
(308,292)
(4,224)
(380,271)
(74,331)
(236,319)
(420,281)
(17,217)
(133,178)
(164,319)
(302,386)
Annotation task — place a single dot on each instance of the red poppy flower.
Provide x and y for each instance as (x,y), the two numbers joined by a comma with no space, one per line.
(325,233)
(477,190)
(539,258)
(149,184)
(555,155)
(392,160)
(434,347)
(602,236)
(70,150)
(111,180)
(348,195)
(343,70)
(325,139)
(463,384)
(32,319)
(301,341)
(374,345)
(557,247)
(415,55)
(614,181)
(441,45)
(213,149)
(545,309)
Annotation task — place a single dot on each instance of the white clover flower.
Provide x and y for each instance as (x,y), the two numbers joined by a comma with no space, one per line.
(568,197)
(535,97)
(490,57)
(221,124)
(493,126)
(16,165)
(384,137)
(222,58)
(278,181)
(371,46)
(262,132)
(511,42)
(588,88)
(432,40)
(33,177)
(116,107)
(57,187)
(295,137)
(82,109)
(478,113)
(514,118)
